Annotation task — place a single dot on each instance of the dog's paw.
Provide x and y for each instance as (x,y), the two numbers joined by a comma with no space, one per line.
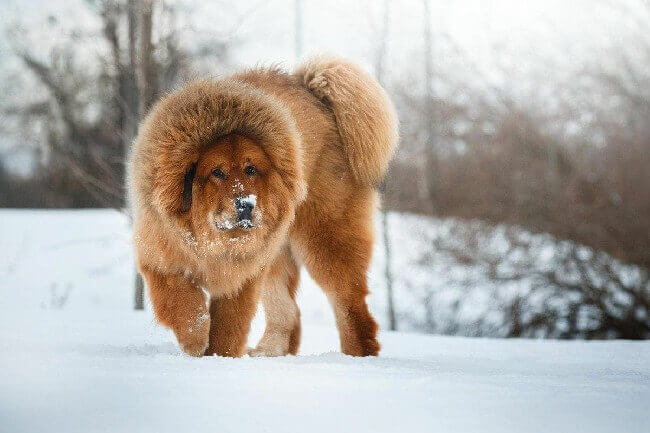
(258,352)
(196,347)
(194,339)
(365,347)
(272,344)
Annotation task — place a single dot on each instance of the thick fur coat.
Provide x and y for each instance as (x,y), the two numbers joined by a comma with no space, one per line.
(235,183)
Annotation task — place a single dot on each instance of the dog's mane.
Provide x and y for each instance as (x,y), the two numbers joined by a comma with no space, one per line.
(181,125)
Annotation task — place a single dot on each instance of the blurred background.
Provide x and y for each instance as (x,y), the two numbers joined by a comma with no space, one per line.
(518,204)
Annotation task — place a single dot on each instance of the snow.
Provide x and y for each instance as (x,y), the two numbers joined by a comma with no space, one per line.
(250,199)
(74,357)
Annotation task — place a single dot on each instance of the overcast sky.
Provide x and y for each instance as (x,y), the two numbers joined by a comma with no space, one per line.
(503,39)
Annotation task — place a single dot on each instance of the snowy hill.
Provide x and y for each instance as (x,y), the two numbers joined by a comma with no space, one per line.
(75,357)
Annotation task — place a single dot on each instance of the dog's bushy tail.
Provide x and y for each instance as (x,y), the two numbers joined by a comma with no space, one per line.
(365,116)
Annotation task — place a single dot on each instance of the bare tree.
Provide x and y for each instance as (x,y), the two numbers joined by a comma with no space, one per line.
(85,167)
(90,152)
(568,157)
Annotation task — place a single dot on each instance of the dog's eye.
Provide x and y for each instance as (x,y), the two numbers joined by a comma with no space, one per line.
(218,173)
(250,170)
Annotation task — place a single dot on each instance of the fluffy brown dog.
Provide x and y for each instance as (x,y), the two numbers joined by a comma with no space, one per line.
(236,182)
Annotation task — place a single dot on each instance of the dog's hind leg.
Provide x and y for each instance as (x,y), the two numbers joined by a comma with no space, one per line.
(337,254)
(282,333)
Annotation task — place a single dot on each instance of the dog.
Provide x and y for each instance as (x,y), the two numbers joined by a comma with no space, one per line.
(235,183)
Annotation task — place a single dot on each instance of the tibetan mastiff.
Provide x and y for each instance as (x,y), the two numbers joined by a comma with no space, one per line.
(236,183)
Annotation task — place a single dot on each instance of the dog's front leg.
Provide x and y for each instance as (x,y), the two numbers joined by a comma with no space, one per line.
(181,306)
(231,320)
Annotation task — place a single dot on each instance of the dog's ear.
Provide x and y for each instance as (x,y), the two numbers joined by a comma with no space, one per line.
(188,180)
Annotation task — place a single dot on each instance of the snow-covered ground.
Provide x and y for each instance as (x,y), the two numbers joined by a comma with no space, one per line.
(75,357)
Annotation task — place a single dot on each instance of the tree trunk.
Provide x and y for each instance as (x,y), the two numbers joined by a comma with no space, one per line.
(147,80)
(379,71)
(146,84)
(130,77)
(428,187)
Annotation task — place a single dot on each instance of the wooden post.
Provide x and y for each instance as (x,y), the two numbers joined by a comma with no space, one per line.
(385,229)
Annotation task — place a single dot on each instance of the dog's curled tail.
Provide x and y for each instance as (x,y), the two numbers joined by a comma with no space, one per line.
(365,116)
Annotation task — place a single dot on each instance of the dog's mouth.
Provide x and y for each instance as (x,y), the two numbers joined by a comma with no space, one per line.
(236,225)
(227,225)
(245,224)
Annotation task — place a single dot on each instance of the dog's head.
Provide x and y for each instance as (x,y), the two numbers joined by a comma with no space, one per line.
(223,162)
(233,196)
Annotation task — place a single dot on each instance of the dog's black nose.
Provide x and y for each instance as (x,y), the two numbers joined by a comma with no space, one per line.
(244,207)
